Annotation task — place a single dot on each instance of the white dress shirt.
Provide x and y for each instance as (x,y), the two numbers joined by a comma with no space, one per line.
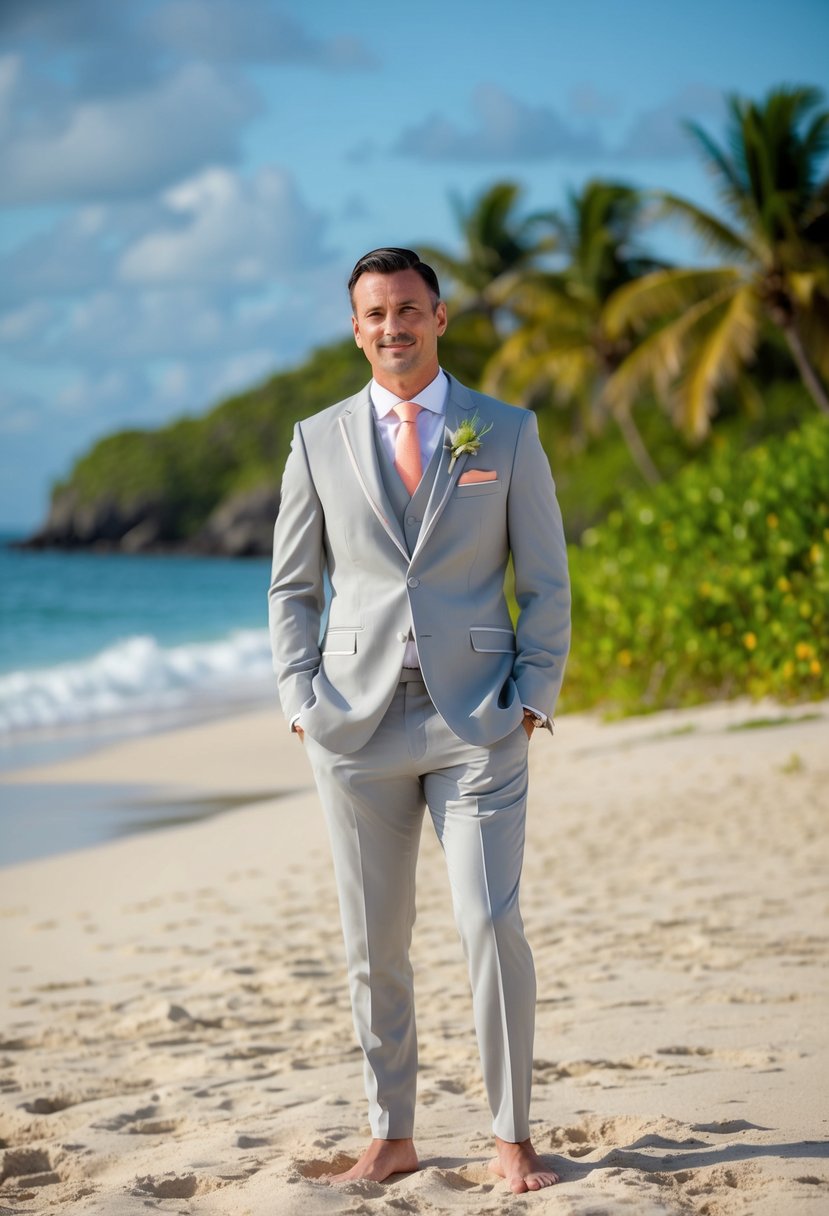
(429,422)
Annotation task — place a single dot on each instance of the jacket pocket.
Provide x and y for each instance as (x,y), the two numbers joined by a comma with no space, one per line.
(477,487)
(340,641)
(492,639)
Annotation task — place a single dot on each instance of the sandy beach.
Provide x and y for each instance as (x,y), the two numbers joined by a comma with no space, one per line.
(175,1030)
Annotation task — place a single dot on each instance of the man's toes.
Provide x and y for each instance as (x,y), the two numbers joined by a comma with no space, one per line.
(548,1178)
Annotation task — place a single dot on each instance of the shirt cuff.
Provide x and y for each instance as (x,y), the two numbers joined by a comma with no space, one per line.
(537,713)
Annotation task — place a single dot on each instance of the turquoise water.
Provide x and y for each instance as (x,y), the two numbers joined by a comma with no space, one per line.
(86,637)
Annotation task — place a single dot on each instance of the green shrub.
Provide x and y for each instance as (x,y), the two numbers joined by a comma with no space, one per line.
(711,586)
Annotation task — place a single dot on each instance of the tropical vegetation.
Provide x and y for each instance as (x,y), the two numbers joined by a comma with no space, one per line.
(712,585)
(681,404)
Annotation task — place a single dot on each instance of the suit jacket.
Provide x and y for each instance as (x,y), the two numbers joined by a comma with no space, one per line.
(335,519)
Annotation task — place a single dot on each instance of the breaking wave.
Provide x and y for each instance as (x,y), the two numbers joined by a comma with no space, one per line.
(136,676)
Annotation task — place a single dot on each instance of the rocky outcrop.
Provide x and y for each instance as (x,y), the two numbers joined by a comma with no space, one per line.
(104,523)
(240,526)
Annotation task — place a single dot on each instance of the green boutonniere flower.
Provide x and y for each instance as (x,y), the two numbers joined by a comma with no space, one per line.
(467,438)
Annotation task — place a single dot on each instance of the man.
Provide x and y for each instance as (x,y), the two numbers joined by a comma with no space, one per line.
(409,498)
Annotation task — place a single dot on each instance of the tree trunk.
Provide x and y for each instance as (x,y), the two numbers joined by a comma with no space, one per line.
(636,446)
(807,373)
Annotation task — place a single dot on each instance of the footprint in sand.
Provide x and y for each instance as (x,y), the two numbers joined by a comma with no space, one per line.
(726,1127)
(50,1106)
(173,1186)
(29,1166)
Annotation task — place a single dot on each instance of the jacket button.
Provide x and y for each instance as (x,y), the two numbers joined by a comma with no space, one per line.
(412,519)
(413,582)
(402,637)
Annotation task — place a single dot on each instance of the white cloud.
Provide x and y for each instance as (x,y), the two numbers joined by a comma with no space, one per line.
(658,133)
(55,21)
(504,129)
(77,253)
(20,413)
(135,325)
(256,32)
(110,393)
(174,383)
(591,102)
(24,323)
(130,144)
(223,228)
(181,386)
(10,73)
(128,325)
(241,371)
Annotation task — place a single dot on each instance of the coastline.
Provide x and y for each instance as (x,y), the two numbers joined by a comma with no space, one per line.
(43,814)
(175,1024)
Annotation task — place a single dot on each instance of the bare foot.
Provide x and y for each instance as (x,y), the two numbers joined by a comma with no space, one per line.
(381,1159)
(522,1167)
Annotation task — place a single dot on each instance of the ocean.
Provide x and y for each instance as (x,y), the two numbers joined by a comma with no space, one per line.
(92,642)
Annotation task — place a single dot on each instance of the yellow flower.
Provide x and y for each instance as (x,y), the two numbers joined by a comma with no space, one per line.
(772,520)
(625,658)
(783,584)
(815,555)
(750,641)
(814,667)
(803,650)
(788,669)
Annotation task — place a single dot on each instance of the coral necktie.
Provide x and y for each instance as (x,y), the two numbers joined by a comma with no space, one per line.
(407,459)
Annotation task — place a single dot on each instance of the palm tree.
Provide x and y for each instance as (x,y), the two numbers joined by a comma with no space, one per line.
(702,327)
(499,246)
(560,345)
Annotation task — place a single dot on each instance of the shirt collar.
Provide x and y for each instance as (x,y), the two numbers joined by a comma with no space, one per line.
(432,397)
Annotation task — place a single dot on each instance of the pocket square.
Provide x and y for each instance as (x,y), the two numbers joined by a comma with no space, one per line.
(472,476)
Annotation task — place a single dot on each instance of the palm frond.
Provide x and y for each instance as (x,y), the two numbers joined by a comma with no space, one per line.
(658,359)
(663,294)
(716,360)
(714,233)
(725,173)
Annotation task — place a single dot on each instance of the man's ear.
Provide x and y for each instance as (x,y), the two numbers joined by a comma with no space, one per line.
(442,319)
(355,325)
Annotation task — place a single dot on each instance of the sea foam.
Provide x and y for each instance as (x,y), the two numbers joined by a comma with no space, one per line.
(136,675)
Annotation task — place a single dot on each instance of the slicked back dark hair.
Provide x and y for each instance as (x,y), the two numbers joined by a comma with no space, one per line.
(390,261)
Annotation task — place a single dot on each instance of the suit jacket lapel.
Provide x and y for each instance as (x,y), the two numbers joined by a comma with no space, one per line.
(357,429)
(458,404)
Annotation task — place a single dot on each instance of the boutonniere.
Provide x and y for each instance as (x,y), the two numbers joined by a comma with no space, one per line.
(466,439)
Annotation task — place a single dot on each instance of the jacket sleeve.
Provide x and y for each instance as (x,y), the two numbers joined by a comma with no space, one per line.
(542,583)
(296,596)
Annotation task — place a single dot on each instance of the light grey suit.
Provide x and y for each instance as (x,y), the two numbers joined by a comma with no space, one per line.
(382,742)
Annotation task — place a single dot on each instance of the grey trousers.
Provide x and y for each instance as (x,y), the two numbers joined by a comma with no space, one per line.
(373,801)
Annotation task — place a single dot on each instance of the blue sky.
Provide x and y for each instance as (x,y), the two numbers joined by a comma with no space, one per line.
(186,183)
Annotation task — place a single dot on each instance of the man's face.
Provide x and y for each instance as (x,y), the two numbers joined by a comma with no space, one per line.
(397,326)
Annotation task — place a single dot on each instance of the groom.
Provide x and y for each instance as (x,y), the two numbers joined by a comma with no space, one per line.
(410,687)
